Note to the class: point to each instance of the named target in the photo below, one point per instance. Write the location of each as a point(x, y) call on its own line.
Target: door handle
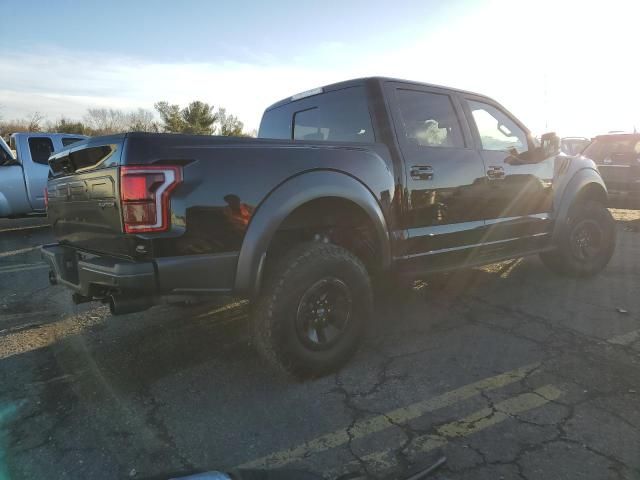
point(421, 172)
point(495, 172)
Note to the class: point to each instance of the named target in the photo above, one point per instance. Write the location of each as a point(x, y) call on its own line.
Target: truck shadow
point(137, 350)
point(133, 352)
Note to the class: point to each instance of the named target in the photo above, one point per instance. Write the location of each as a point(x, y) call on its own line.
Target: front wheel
point(311, 314)
point(585, 243)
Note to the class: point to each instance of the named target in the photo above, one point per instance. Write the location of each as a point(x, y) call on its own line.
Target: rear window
point(41, 149)
point(90, 157)
point(86, 158)
point(614, 150)
point(69, 140)
point(337, 116)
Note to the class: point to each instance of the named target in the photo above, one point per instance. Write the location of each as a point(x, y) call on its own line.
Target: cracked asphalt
point(507, 370)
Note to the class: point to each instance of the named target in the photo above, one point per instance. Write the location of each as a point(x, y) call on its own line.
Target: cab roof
point(362, 81)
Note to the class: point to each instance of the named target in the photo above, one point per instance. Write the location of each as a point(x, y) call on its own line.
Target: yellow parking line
point(488, 417)
point(474, 423)
point(625, 338)
point(381, 422)
point(512, 266)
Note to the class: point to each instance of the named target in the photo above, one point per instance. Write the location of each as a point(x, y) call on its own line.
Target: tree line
point(197, 118)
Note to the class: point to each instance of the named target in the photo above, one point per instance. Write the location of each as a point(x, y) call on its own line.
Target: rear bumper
point(98, 276)
point(91, 275)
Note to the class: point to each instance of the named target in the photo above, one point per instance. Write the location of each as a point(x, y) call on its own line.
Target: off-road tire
point(276, 313)
point(564, 259)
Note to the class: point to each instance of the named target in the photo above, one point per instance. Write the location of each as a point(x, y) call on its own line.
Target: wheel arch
point(586, 184)
point(284, 200)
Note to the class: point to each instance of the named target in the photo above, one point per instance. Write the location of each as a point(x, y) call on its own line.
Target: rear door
point(519, 193)
point(444, 178)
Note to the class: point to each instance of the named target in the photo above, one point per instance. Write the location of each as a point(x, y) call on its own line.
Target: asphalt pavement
point(508, 371)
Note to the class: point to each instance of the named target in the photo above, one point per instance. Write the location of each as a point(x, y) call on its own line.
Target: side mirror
point(550, 144)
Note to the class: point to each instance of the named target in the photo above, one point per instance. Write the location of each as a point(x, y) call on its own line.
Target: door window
point(41, 149)
point(498, 132)
point(429, 119)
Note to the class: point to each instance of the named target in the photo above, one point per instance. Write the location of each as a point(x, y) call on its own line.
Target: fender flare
point(284, 200)
point(582, 179)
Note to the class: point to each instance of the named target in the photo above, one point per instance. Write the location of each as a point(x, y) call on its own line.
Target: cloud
point(59, 83)
point(549, 73)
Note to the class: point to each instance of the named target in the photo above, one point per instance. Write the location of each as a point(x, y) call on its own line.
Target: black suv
point(617, 156)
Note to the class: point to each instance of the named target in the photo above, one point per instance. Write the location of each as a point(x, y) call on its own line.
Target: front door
point(36, 169)
point(444, 178)
point(519, 181)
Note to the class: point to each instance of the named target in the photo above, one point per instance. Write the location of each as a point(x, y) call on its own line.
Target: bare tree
point(103, 121)
point(12, 126)
point(142, 121)
point(34, 122)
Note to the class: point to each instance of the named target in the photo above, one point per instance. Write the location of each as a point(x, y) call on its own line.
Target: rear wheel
point(586, 241)
point(310, 317)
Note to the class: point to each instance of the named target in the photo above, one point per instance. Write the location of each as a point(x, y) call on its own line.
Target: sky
point(559, 65)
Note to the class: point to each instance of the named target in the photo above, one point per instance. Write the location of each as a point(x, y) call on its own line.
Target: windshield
point(608, 149)
point(574, 146)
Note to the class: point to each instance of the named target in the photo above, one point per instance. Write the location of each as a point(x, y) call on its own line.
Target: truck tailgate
point(82, 190)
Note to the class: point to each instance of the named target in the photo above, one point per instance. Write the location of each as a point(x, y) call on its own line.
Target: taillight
point(46, 198)
point(144, 193)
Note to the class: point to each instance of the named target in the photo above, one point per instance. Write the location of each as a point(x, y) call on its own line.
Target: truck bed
point(224, 180)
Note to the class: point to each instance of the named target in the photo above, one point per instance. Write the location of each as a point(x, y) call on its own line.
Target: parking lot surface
point(507, 370)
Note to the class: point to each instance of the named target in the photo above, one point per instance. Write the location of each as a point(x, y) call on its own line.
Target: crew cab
point(23, 177)
point(348, 185)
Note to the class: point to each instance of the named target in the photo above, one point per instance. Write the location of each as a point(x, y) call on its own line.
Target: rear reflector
point(144, 193)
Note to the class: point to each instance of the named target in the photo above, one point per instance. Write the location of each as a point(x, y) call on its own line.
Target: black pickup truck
point(362, 180)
